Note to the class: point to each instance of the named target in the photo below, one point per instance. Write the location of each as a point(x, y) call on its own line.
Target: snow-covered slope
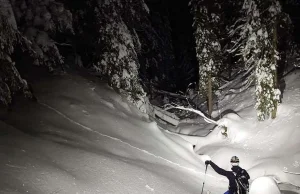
point(270, 148)
point(82, 137)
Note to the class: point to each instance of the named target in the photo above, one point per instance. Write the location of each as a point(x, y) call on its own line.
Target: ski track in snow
point(119, 140)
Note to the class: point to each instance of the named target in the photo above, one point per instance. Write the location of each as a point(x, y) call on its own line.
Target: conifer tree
point(119, 59)
point(11, 81)
point(255, 40)
point(207, 26)
point(267, 92)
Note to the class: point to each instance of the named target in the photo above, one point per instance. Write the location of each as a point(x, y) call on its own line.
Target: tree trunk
point(274, 112)
point(209, 95)
point(229, 67)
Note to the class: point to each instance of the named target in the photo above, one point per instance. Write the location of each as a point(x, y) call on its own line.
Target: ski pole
point(204, 179)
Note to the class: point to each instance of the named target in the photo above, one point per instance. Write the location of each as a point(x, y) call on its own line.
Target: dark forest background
point(140, 48)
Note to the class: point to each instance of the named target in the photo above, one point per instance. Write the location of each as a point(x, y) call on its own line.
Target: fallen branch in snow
point(285, 183)
point(164, 115)
point(208, 120)
point(288, 172)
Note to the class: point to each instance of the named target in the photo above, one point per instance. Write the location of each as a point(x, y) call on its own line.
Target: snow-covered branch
point(208, 120)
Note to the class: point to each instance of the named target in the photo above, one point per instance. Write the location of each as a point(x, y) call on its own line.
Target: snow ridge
point(119, 140)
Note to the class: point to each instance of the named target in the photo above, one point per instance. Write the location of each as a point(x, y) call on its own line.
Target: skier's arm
point(247, 175)
point(218, 169)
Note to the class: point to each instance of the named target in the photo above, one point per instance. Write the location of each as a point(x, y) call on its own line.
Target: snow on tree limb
point(206, 119)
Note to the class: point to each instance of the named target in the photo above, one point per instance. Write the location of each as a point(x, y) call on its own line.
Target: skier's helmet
point(235, 160)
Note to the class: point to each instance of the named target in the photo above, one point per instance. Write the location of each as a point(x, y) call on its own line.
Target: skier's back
point(236, 177)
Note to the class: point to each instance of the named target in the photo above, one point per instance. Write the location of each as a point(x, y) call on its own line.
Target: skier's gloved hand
point(207, 162)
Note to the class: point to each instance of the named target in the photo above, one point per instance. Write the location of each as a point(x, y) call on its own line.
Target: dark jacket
point(230, 175)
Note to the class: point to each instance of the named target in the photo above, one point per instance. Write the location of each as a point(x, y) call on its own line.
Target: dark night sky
point(183, 40)
point(181, 20)
point(293, 9)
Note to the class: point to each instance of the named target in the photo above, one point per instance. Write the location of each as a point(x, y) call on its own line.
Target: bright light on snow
point(265, 185)
point(82, 137)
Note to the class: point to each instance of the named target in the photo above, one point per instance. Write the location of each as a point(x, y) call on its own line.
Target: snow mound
point(235, 127)
point(264, 185)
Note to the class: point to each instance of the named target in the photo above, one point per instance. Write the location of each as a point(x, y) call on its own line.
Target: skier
point(238, 177)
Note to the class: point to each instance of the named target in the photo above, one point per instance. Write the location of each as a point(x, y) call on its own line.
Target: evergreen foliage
point(252, 44)
point(207, 20)
point(130, 46)
point(40, 22)
point(255, 39)
point(119, 59)
point(11, 82)
point(112, 37)
point(30, 27)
